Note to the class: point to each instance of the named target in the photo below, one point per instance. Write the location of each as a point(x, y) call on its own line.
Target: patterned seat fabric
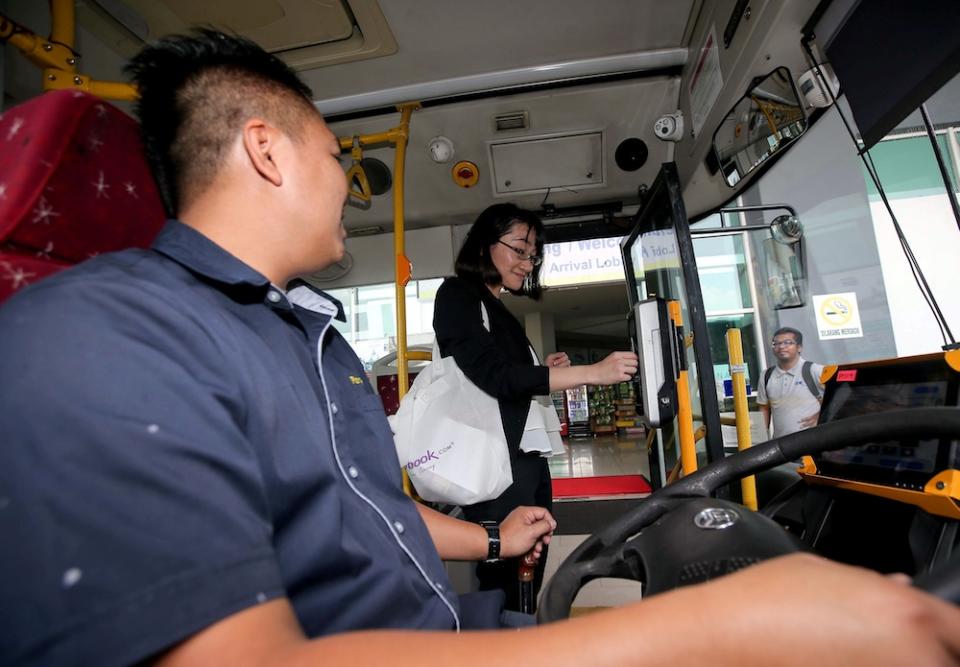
point(73, 183)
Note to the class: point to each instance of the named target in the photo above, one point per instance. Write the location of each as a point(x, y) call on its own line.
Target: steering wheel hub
point(716, 518)
point(703, 538)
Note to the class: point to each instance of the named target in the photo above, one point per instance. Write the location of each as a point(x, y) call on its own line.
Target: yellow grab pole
point(47, 54)
point(63, 22)
point(56, 57)
point(748, 485)
point(113, 90)
point(403, 266)
point(389, 137)
point(688, 445)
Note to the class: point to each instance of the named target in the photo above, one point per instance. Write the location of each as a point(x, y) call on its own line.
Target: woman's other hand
point(557, 360)
point(616, 367)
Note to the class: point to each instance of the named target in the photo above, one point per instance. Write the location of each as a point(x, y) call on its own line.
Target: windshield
point(864, 303)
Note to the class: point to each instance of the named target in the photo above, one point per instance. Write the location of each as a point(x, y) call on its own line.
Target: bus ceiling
point(670, 85)
point(536, 102)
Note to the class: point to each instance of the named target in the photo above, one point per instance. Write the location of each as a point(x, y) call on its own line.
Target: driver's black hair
point(196, 91)
point(474, 262)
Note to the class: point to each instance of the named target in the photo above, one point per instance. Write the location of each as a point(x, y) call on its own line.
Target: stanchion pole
point(688, 445)
point(403, 266)
point(741, 411)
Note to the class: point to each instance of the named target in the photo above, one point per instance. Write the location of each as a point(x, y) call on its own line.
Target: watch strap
point(493, 540)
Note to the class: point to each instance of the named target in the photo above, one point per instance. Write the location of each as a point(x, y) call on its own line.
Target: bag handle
point(486, 325)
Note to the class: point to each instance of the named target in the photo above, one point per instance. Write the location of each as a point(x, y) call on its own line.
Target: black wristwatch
point(493, 541)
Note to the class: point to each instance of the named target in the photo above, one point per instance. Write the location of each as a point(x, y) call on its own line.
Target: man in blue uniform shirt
point(191, 473)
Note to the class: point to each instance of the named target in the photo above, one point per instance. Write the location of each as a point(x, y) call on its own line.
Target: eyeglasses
point(782, 343)
point(535, 260)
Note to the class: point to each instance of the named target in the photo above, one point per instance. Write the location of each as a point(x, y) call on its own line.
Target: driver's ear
point(260, 140)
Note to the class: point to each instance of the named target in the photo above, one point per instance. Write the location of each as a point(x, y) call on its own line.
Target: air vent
point(536, 164)
point(515, 120)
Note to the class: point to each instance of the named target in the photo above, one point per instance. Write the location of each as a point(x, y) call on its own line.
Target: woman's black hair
point(474, 262)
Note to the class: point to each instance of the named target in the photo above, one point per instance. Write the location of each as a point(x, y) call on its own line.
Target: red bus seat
point(73, 183)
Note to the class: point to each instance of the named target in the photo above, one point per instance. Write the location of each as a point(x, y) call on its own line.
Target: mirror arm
point(721, 231)
point(760, 207)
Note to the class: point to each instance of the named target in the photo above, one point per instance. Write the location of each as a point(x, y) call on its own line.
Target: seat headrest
point(73, 180)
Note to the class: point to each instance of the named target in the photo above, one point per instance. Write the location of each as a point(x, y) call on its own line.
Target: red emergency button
point(465, 174)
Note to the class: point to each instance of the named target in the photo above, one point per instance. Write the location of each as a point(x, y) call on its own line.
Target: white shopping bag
point(449, 437)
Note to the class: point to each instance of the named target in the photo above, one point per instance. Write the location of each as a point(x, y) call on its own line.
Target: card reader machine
point(658, 343)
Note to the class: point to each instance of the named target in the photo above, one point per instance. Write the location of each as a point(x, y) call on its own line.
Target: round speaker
point(631, 154)
point(378, 175)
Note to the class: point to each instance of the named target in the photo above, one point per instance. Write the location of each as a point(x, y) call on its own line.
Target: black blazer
point(498, 361)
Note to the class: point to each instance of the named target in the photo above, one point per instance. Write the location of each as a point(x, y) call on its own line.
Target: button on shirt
point(182, 441)
point(789, 397)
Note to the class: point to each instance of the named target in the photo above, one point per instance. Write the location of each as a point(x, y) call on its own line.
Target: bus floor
point(601, 455)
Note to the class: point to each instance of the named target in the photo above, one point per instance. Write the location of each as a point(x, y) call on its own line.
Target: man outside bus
point(194, 473)
point(790, 392)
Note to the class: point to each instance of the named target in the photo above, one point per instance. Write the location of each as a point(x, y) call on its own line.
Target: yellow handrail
point(55, 56)
point(748, 485)
point(63, 21)
point(356, 172)
point(403, 268)
point(688, 445)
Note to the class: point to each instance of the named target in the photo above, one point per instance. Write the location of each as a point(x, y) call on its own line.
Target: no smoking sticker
point(838, 315)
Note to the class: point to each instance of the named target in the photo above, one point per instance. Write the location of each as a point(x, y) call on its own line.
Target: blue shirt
point(171, 455)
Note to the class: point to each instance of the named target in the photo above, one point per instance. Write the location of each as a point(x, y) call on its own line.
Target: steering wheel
point(680, 535)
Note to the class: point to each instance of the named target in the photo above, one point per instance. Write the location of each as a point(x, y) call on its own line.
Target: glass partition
point(659, 261)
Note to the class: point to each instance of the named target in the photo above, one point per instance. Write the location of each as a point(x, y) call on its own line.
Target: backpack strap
point(766, 381)
point(806, 371)
point(807, 374)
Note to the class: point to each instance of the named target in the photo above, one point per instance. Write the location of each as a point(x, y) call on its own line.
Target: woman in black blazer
point(503, 250)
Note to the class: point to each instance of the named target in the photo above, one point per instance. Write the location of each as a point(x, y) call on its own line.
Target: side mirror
point(783, 259)
point(786, 229)
point(764, 121)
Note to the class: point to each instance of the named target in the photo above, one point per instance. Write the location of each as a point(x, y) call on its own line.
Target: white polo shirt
point(789, 397)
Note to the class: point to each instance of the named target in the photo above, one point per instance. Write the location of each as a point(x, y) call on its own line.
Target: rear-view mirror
point(765, 120)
